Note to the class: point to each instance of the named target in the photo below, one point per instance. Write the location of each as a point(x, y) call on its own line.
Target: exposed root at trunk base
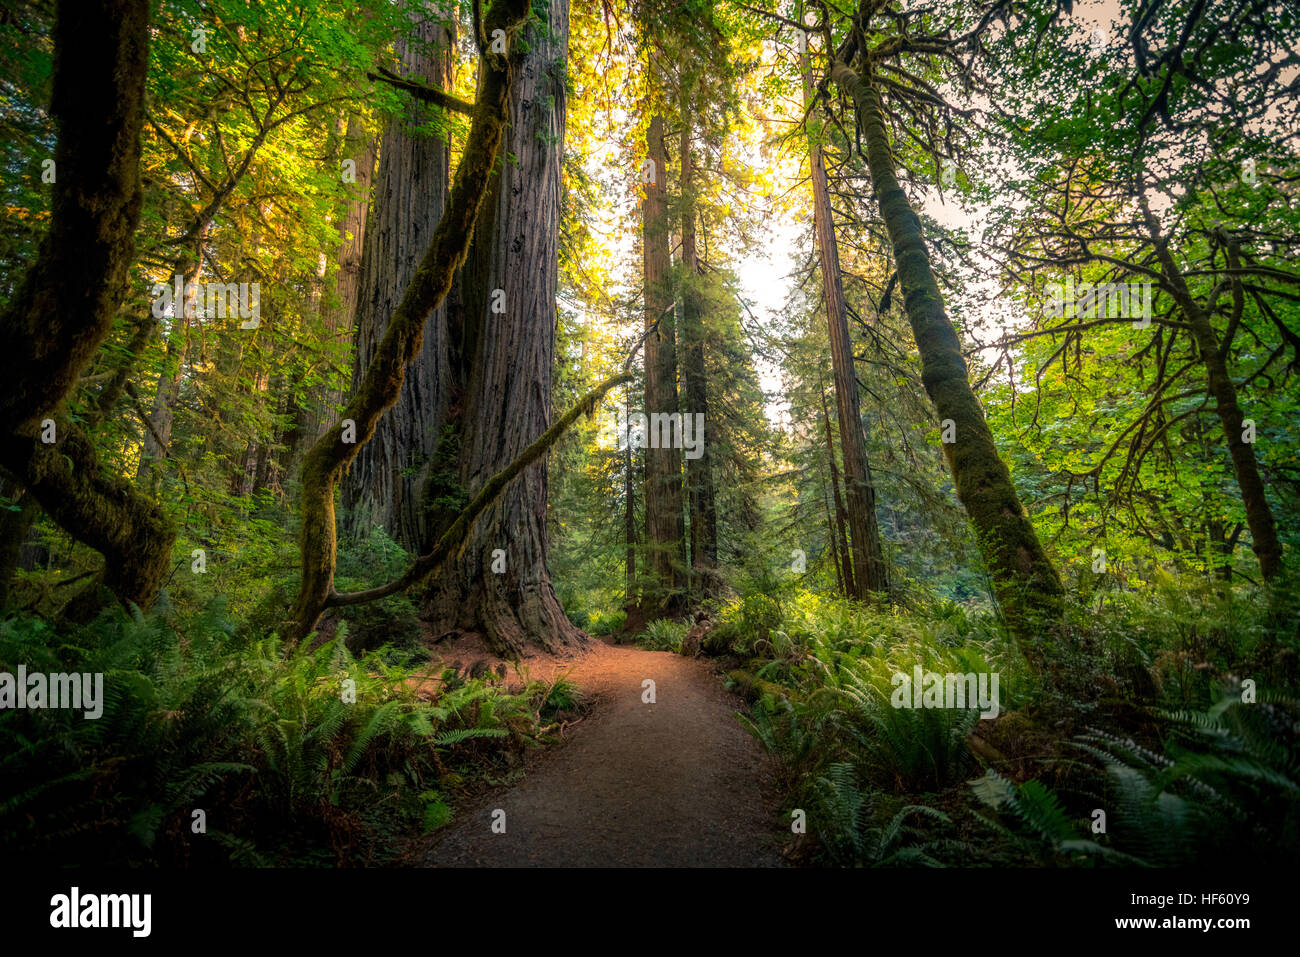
point(512, 624)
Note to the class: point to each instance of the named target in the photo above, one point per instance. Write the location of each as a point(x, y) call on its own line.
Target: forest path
point(677, 783)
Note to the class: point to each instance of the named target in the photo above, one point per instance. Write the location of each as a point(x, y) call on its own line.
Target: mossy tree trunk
point(65, 308)
point(499, 585)
point(381, 386)
point(1025, 582)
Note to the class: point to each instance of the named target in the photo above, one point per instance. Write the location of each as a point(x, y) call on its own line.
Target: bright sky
point(766, 277)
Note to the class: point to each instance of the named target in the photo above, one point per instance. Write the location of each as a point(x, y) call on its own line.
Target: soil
point(676, 783)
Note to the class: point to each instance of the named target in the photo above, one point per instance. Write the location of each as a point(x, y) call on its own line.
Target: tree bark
point(403, 339)
point(629, 514)
point(508, 291)
point(65, 308)
point(664, 584)
point(839, 541)
point(699, 471)
point(870, 573)
point(1024, 580)
point(383, 486)
point(337, 315)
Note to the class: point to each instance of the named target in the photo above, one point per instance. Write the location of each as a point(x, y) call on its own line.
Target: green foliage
point(606, 623)
point(315, 756)
point(755, 619)
point(1222, 786)
point(855, 828)
point(391, 622)
point(437, 813)
point(549, 700)
point(1040, 829)
point(1225, 789)
point(844, 749)
point(1112, 439)
point(663, 635)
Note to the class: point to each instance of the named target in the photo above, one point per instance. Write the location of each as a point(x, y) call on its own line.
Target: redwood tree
point(695, 401)
point(383, 487)
point(663, 584)
point(504, 330)
point(381, 386)
point(866, 554)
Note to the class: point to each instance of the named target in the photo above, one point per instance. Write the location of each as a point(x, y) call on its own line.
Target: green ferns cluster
point(304, 757)
point(1215, 782)
point(1225, 789)
point(820, 680)
point(663, 634)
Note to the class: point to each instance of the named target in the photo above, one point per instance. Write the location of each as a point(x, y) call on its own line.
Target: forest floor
point(676, 783)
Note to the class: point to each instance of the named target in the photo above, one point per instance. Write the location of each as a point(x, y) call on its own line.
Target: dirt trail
point(677, 783)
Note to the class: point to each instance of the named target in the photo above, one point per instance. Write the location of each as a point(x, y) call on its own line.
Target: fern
point(214, 718)
point(1042, 827)
point(449, 739)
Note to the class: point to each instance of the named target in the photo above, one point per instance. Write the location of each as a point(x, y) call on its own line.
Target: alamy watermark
point(75, 909)
point(662, 430)
point(929, 689)
point(1103, 300)
point(211, 300)
point(79, 691)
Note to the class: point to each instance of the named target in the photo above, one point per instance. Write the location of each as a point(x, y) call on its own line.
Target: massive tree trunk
point(699, 471)
point(382, 488)
point(1259, 516)
point(870, 573)
point(65, 308)
point(664, 583)
point(1024, 580)
point(381, 386)
point(507, 293)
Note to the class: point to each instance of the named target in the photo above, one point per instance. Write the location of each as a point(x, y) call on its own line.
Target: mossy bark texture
point(1025, 582)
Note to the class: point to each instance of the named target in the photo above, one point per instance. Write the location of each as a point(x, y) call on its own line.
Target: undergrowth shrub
point(392, 621)
point(309, 757)
point(663, 634)
point(1184, 770)
point(603, 623)
point(1223, 789)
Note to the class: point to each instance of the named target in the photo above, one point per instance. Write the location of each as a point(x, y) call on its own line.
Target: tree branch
point(421, 91)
